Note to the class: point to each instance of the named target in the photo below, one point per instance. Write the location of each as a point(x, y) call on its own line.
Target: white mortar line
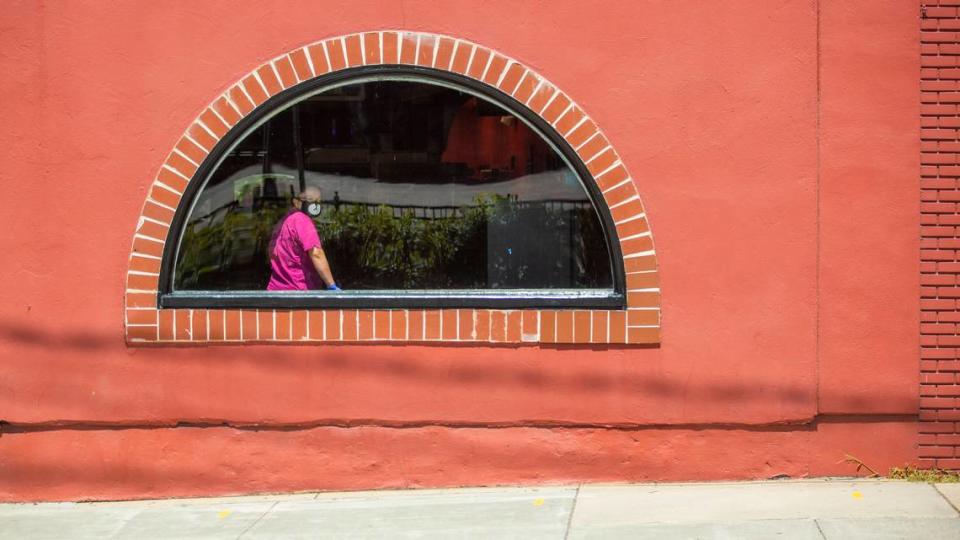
point(598, 154)
point(486, 67)
point(625, 201)
point(233, 104)
point(186, 157)
point(293, 68)
point(145, 256)
point(611, 188)
point(194, 141)
point(564, 113)
point(326, 55)
point(145, 237)
point(158, 183)
point(256, 75)
point(535, 90)
point(243, 88)
point(639, 254)
point(473, 52)
point(208, 130)
point(591, 325)
point(635, 236)
point(218, 115)
point(161, 205)
point(575, 126)
point(174, 171)
point(519, 82)
point(276, 73)
point(556, 93)
point(590, 138)
point(503, 73)
point(380, 42)
point(631, 218)
point(453, 54)
point(306, 53)
point(616, 164)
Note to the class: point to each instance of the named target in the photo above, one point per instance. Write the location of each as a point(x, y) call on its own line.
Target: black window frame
point(167, 297)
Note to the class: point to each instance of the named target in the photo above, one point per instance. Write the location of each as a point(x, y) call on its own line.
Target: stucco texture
point(777, 167)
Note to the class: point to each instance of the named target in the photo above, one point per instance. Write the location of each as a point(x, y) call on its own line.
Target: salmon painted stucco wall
point(775, 147)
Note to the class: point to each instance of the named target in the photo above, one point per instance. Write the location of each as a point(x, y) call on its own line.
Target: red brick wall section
point(940, 234)
point(638, 324)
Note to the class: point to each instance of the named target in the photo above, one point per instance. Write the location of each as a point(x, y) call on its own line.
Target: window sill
point(403, 299)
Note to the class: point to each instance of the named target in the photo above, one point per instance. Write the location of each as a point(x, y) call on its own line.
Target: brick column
point(940, 234)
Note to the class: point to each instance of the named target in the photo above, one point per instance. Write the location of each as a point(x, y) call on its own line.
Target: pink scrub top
point(291, 268)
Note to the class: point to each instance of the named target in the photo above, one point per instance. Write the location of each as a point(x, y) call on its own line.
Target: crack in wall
point(793, 424)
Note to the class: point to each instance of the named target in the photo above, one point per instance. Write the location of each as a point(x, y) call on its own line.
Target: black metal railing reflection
point(398, 210)
point(497, 242)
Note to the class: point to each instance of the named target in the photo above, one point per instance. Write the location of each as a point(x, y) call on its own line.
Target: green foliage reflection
point(495, 242)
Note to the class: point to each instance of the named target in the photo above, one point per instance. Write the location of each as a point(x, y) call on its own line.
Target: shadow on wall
point(509, 369)
point(18, 333)
point(135, 456)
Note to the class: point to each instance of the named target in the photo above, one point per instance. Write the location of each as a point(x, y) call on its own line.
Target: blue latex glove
point(333, 287)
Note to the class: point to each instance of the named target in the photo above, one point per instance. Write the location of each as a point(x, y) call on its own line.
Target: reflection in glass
point(424, 187)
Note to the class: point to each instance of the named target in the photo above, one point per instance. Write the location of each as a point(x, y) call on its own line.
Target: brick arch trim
point(145, 322)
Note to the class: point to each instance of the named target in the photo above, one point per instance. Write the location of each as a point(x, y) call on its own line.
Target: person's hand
point(333, 287)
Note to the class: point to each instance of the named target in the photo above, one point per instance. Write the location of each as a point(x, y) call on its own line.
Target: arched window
point(436, 192)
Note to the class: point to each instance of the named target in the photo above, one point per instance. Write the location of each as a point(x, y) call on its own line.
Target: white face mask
point(311, 208)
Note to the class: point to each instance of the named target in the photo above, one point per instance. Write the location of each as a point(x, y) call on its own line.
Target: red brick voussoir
point(639, 323)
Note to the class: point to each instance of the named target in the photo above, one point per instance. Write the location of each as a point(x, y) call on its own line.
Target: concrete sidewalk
point(812, 509)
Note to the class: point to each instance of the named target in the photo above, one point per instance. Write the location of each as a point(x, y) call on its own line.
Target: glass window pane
point(423, 187)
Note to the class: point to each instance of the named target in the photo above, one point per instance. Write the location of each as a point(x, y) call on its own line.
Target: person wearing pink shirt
point(297, 260)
